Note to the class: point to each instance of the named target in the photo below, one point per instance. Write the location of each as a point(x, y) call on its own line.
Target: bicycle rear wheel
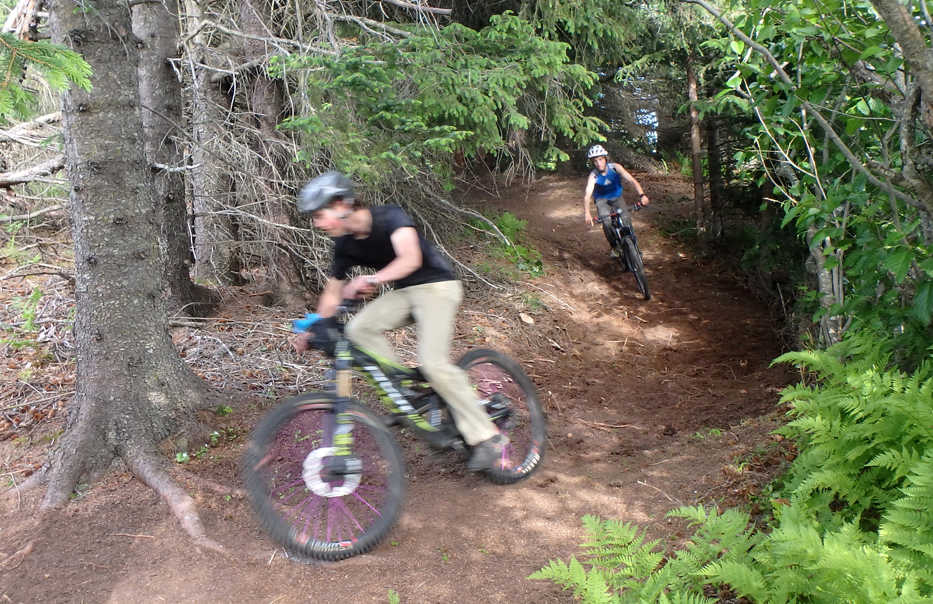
point(311, 510)
point(633, 255)
point(511, 402)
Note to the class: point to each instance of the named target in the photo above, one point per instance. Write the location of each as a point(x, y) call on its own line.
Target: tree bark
point(266, 104)
point(155, 24)
point(917, 55)
point(715, 179)
point(132, 389)
point(695, 148)
point(212, 189)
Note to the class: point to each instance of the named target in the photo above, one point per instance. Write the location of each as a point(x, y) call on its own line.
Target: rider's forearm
point(586, 206)
point(399, 268)
point(330, 298)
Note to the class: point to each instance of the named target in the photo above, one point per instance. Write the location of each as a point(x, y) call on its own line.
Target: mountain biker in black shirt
point(425, 292)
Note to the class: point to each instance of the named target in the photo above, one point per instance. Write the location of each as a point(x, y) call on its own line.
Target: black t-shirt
point(376, 251)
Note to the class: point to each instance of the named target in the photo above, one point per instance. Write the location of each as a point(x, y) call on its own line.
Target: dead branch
point(23, 133)
point(17, 22)
point(30, 215)
point(278, 43)
point(366, 24)
point(420, 7)
point(18, 177)
point(213, 485)
point(607, 427)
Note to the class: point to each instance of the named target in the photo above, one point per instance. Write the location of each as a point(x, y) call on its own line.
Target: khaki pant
point(433, 308)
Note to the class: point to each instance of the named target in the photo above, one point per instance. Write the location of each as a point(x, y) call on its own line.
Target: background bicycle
point(327, 477)
point(626, 246)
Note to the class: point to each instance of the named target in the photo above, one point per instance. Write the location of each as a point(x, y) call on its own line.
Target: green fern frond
point(684, 598)
point(908, 524)
point(745, 580)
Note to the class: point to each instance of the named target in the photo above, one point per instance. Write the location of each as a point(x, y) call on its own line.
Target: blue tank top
point(608, 186)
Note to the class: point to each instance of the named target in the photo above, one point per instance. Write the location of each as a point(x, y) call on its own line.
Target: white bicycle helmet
point(597, 151)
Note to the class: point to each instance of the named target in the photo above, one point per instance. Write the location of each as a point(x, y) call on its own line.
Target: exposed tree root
point(16, 558)
point(145, 466)
point(212, 485)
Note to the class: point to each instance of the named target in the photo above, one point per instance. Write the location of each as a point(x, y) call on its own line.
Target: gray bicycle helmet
point(323, 189)
point(596, 151)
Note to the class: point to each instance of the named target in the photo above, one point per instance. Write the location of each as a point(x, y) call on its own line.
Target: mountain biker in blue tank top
point(604, 186)
point(425, 292)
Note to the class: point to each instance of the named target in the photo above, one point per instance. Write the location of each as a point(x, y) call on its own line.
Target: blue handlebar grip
point(299, 325)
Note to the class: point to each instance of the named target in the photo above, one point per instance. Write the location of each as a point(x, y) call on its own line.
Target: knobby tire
point(311, 518)
point(633, 257)
point(511, 401)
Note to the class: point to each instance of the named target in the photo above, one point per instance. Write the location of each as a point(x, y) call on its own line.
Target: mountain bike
point(326, 476)
point(625, 243)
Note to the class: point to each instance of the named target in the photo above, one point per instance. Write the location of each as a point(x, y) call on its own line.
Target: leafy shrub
point(525, 258)
point(379, 109)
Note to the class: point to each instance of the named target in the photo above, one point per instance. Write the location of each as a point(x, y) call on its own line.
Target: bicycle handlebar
point(615, 212)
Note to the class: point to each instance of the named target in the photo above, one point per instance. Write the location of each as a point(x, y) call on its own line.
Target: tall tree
point(155, 25)
point(215, 228)
point(132, 388)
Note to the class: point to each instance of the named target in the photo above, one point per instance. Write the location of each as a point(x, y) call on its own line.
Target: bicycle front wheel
point(314, 510)
point(510, 400)
point(633, 255)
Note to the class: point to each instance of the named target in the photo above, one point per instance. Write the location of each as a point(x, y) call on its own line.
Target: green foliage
point(525, 258)
point(389, 108)
point(12, 249)
point(599, 32)
point(24, 334)
point(873, 241)
point(863, 430)
point(59, 66)
point(857, 521)
point(907, 526)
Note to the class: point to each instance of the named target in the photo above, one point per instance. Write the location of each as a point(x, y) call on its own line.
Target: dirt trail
point(648, 403)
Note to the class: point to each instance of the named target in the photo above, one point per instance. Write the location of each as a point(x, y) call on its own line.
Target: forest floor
point(651, 405)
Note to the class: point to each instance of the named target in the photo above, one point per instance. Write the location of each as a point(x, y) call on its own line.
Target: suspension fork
point(341, 430)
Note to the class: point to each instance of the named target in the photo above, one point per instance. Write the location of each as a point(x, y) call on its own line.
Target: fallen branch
point(21, 133)
point(669, 498)
point(607, 427)
point(30, 215)
point(420, 7)
point(18, 177)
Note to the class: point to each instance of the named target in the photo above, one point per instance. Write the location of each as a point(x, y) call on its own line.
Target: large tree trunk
point(695, 148)
point(132, 388)
point(155, 24)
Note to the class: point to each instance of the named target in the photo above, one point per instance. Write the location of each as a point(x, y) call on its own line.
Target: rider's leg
point(434, 306)
point(619, 204)
point(602, 210)
point(366, 330)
